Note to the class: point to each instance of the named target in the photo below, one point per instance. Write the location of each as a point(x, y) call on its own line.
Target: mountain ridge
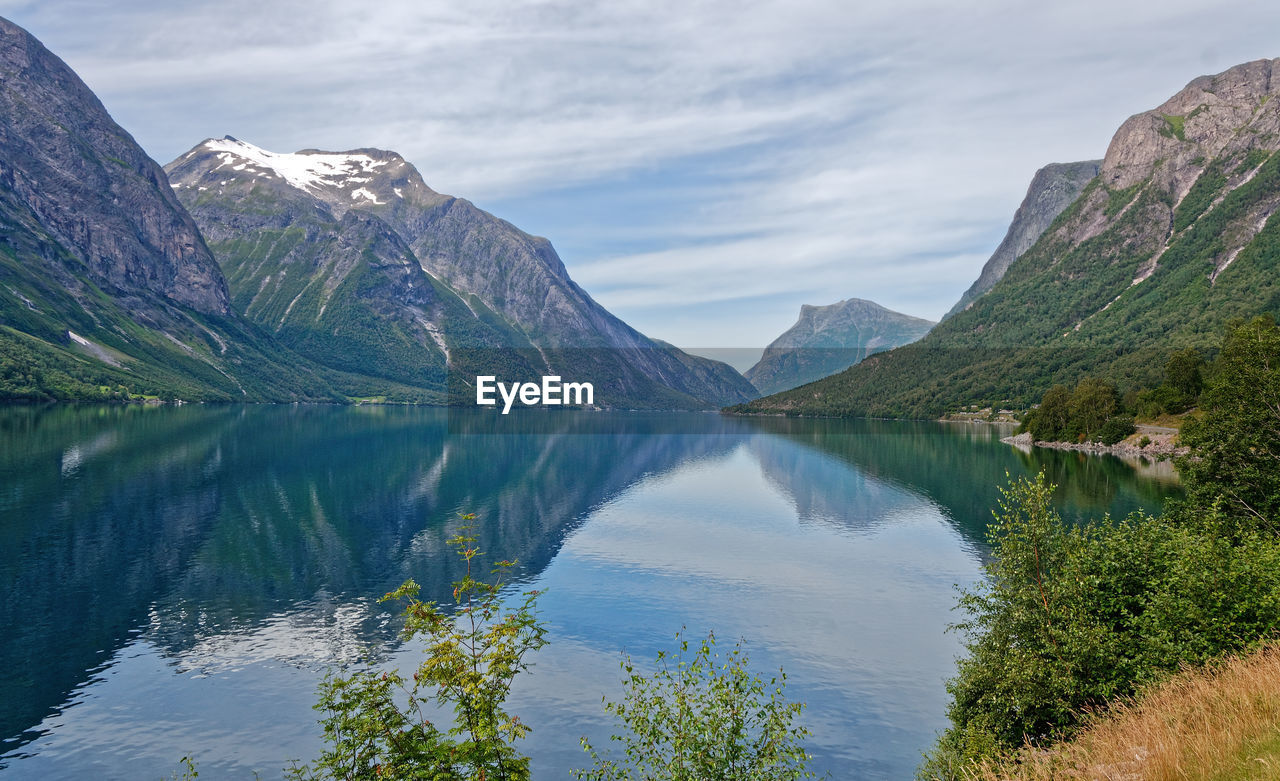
point(1175, 237)
point(1053, 188)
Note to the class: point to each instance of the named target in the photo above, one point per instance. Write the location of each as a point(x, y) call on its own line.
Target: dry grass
point(1220, 724)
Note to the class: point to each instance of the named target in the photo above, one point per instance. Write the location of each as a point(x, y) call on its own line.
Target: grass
point(1213, 724)
point(1167, 420)
point(1174, 127)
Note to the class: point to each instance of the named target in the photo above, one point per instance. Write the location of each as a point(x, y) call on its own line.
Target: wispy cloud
point(704, 167)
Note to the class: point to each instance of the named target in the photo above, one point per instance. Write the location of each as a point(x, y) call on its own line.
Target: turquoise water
point(177, 580)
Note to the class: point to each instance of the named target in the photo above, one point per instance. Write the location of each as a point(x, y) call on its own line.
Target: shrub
point(472, 656)
point(1114, 430)
point(702, 716)
point(1072, 617)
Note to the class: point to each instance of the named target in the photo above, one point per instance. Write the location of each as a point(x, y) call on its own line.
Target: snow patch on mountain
point(304, 170)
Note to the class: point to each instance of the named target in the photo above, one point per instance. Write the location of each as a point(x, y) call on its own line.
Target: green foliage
point(189, 772)
point(472, 655)
point(1072, 617)
point(1153, 402)
point(1174, 127)
point(1118, 199)
point(1080, 415)
point(1184, 373)
point(1255, 158)
point(1092, 403)
point(1114, 430)
point(702, 716)
point(1236, 443)
point(1049, 422)
point(1206, 187)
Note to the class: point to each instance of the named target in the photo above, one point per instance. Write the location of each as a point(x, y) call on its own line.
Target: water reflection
point(211, 552)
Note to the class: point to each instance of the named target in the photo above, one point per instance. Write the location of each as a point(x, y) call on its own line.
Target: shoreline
point(1160, 447)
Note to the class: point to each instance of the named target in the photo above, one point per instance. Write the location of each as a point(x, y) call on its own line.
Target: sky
point(702, 167)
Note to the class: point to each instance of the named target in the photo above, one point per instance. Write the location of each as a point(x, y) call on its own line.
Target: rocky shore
point(1160, 445)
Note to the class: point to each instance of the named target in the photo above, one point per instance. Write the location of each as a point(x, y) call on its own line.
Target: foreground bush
point(1073, 617)
point(702, 716)
point(376, 724)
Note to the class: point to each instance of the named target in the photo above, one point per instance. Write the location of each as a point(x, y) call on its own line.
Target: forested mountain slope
point(1173, 239)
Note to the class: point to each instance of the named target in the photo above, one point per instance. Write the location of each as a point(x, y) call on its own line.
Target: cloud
point(678, 153)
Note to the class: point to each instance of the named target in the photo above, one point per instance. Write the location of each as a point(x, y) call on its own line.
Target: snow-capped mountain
point(276, 222)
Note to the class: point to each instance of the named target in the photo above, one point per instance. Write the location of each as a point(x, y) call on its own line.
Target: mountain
point(107, 289)
point(1052, 190)
point(829, 339)
point(436, 278)
point(1175, 237)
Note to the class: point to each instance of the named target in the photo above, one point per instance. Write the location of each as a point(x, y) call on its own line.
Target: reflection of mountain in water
point(99, 509)
point(960, 467)
point(231, 534)
point(201, 526)
point(826, 489)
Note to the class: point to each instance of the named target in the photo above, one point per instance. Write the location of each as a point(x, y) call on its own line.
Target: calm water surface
point(176, 581)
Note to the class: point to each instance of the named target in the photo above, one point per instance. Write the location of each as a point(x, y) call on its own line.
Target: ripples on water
point(177, 580)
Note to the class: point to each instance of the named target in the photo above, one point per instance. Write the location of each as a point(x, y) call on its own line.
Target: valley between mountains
point(241, 274)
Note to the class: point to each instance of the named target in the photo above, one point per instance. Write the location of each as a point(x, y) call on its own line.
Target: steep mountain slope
point(1175, 237)
point(1052, 190)
point(342, 289)
point(829, 339)
point(467, 283)
point(106, 287)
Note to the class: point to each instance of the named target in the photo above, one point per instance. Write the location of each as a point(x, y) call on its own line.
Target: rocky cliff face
point(830, 339)
point(265, 214)
point(82, 178)
point(1052, 190)
point(1175, 236)
point(106, 287)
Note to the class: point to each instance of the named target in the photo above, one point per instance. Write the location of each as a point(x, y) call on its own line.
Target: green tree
point(1236, 444)
point(701, 716)
point(1114, 430)
point(1092, 403)
point(1049, 422)
point(376, 725)
point(1184, 373)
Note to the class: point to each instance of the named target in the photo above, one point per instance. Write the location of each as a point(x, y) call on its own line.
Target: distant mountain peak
point(1173, 238)
point(829, 339)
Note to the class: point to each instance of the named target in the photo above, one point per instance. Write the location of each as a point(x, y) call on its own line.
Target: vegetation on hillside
point(1096, 412)
point(1074, 617)
point(1070, 307)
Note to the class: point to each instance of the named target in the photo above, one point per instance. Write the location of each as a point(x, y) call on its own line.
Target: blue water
point(177, 580)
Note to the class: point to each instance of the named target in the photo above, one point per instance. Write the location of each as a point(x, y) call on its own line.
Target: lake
point(176, 580)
